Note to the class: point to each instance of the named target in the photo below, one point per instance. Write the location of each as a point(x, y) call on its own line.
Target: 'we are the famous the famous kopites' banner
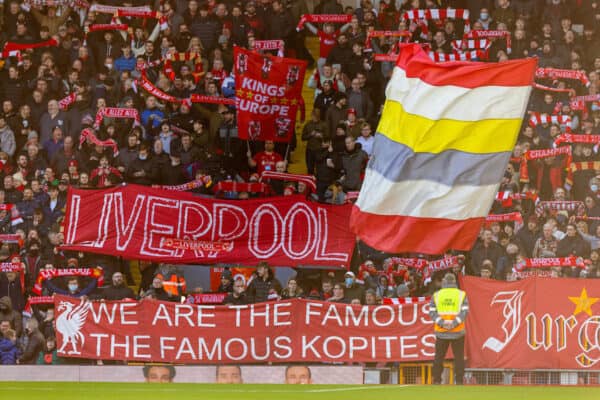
point(268, 94)
point(287, 331)
point(138, 222)
point(536, 323)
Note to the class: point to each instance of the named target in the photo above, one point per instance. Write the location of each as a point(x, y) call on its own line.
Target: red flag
point(269, 92)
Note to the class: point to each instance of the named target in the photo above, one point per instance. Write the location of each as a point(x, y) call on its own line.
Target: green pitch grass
point(141, 391)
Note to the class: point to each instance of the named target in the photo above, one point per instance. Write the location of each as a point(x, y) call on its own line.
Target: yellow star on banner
point(294, 102)
point(583, 303)
point(283, 100)
point(249, 95)
point(239, 93)
point(273, 100)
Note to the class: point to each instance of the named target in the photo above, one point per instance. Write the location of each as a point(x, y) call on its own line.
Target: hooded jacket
point(8, 314)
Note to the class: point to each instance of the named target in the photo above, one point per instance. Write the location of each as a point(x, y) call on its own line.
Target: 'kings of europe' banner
point(268, 94)
point(139, 222)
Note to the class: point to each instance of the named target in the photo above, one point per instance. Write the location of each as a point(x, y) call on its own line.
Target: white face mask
point(594, 188)
point(73, 287)
point(109, 66)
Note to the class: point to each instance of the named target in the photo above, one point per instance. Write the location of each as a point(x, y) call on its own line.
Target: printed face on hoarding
point(159, 374)
point(298, 375)
point(229, 374)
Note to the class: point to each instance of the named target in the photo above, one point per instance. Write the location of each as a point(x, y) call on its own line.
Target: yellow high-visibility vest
point(448, 302)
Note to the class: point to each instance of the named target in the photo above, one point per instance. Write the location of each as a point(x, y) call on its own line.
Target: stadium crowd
point(51, 138)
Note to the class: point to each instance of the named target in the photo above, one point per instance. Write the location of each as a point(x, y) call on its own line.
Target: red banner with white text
point(268, 94)
point(138, 222)
point(287, 331)
point(536, 323)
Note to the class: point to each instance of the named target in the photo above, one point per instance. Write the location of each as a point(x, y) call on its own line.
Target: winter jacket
point(35, 345)
point(7, 141)
point(8, 352)
point(259, 289)
point(353, 163)
point(8, 314)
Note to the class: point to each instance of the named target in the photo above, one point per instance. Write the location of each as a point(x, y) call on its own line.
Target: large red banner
point(536, 323)
point(268, 93)
point(139, 222)
point(287, 331)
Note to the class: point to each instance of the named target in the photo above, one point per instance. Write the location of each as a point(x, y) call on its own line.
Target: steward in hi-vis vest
point(448, 310)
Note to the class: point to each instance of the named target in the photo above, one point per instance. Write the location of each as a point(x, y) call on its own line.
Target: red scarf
point(322, 18)
point(89, 134)
point(570, 138)
point(308, 180)
point(278, 45)
point(384, 34)
point(552, 89)
point(194, 98)
point(204, 181)
point(182, 57)
point(555, 73)
point(539, 154)
point(10, 267)
point(104, 9)
point(12, 46)
point(252, 187)
point(462, 45)
point(459, 56)
point(560, 206)
point(513, 216)
point(549, 262)
point(116, 112)
point(438, 14)
point(44, 274)
point(585, 166)
point(64, 103)
point(404, 300)
point(536, 118)
point(491, 34)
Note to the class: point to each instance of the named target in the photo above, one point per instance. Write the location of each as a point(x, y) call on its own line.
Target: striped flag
point(442, 145)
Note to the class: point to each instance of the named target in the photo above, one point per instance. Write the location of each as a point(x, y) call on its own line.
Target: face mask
point(348, 281)
point(594, 188)
point(109, 66)
point(483, 16)
point(143, 157)
point(73, 288)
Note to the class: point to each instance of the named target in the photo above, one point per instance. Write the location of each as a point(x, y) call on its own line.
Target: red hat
point(351, 111)
point(73, 163)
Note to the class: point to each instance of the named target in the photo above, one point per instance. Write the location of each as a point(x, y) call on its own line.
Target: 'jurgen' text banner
point(138, 222)
point(268, 90)
point(288, 331)
point(536, 323)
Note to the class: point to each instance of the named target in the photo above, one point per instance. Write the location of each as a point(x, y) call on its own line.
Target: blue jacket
point(8, 352)
point(125, 64)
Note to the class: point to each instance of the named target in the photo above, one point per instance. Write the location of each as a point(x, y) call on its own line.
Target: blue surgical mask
point(594, 188)
point(143, 157)
point(349, 281)
point(73, 287)
point(484, 16)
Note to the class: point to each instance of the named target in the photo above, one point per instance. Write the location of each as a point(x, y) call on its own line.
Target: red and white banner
point(268, 93)
point(139, 222)
point(11, 47)
point(459, 56)
point(546, 153)
point(536, 323)
point(288, 331)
